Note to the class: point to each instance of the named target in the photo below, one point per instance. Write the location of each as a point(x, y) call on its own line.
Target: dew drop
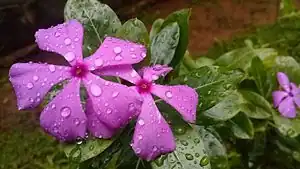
point(57, 34)
point(133, 56)
point(154, 77)
point(118, 58)
point(95, 90)
point(154, 148)
point(91, 147)
point(169, 94)
point(204, 161)
point(183, 142)
point(70, 56)
point(67, 41)
point(143, 54)
point(140, 137)
point(115, 94)
point(197, 155)
point(53, 106)
point(189, 156)
point(35, 78)
point(141, 122)
point(117, 50)
point(138, 150)
point(76, 39)
point(98, 62)
point(76, 121)
point(52, 68)
point(108, 111)
point(65, 112)
point(29, 85)
point(133, 73)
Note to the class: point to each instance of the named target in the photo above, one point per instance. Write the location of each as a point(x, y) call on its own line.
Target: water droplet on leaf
point(204, 161)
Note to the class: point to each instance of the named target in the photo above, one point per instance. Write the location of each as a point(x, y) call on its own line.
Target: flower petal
point(64, 39)
point(32, 81)
point(63, 117)
point(284, 81)
point(125, 72)
point(183, 98)
point(287, 108)
point(152, 135)
point(114, 103)
point(297, 100)
point(95, 126)
point(114, 52)
point(294, 89)
point(153, 73)
point(278, 96)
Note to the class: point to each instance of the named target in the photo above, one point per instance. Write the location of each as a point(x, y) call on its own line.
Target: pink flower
point(288, 99)
point(153, 136)
point(109, 105)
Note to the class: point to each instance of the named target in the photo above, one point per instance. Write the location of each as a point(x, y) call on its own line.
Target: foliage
point(237, 126)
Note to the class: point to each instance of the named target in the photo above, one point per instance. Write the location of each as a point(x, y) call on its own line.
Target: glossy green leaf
point(288, 65)
point(212, 84)
point(192, 63)
point(263, 79)
point(214, 147)
point(156, 27)
point(134, 30)
point(227, 108)
point(242, 126)
point(182, 19)
point(98, 20)
point(164, 45)
point(256, 106)
point(190, 153)
point(86, 150)
point(242, 57)
point(287, 127)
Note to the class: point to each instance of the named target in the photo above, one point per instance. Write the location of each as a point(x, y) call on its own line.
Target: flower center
point(144, 86)
point(79, 70)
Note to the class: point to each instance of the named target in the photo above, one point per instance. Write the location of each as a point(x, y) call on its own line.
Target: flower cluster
point(109, 105)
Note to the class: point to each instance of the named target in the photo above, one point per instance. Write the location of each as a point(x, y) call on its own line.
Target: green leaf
point(227, 108)
point(191, 63)
point(288, 65)
point(287, 127)
point(242, 126)
point(134, 30)
point(156, 27)
point(190, 153)
point(287, 7)
point(164, 44)
point(212, 84)
point(182, 19)
point(241, 58)
point(214, 147)
point(263, 79)
point(256, 106)
point(86, 150)
point(98, 21)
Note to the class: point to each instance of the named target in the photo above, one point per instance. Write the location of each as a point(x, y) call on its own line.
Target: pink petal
point(64, 39)
point(152, 135)
point(114, 52)
point(297, 100)
point(95, 126)
point(294, 89)
point(125, 72)
point(278, 96)
point(114, 103)
point(63, 117)
point(183, 98)
point(284, 81)
point(287, 108)
point(154, 72)
point(32, 81)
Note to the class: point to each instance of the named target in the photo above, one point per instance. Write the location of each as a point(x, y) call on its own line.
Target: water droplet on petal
point(76, 121)
point(154, 77)
point(115, 94)
point(31, 100)
point(70, 56)
point(143, 54)
point(76, 39)
point(56, 34)
point(154, 148)
point(67, 41)
point(140, 137)
point(141, 122)
point(118, 58)
point(29, 85)
point(131, 49)
point(138, 150)
point(65, 112)
point(133, 56)
point(95, 90)
point(35, 78)
point(108, 111)
point(133, 73)
point(98, 62)
point(169, 94)
point(117, 50)
point(52, 68)
point(53, 106)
